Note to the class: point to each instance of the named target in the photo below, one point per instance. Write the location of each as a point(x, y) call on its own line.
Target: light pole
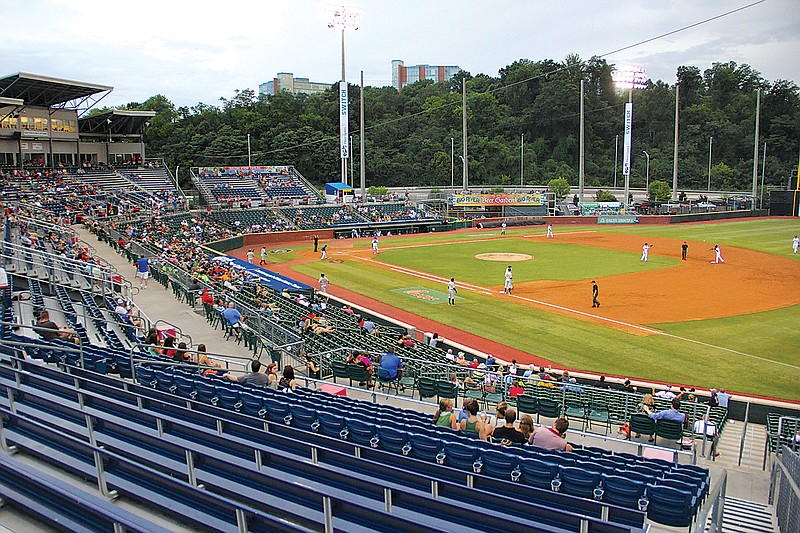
point(248, 151)
point(521, 160)
point(710, 144)
point(352, 181)
point(616, 156)
point(452, 165)
point(647, 182)
point(344, 17)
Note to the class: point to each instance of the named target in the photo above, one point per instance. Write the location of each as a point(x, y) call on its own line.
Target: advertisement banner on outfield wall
point(471, 200)
point(617, 219)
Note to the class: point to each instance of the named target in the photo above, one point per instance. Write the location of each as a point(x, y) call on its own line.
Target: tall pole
point(248, 151)
point(763, 170)
point(755, 147)
point(453, 164)
point(581, 155)
point(521, 160)
point(345, 148)
point(352, 180)
point(647, 179)
point(710, 144)
point(626, 146)
point(675, 153)
point(464, 131)
point(361, 168)
point(616, 155)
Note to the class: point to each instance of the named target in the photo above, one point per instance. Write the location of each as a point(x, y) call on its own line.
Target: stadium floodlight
point(344, 17)
point(628, 77)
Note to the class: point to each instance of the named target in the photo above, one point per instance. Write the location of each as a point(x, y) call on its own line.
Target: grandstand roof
point(44, 91)
point(116, 122)
point(11, 101)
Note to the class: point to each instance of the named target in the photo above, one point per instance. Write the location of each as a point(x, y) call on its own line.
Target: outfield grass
point(552, 261)
point(701, 353)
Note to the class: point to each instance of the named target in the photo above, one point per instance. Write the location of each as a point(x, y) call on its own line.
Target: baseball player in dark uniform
point(595, 292)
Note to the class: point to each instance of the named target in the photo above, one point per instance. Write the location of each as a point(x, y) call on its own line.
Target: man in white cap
point(665, 394)
point(120, 309)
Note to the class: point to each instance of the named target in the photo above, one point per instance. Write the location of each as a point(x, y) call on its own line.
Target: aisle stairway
point(742, 516)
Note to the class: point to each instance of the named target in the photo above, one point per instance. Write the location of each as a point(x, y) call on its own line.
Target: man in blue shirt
point(673, 413)
point(391, 365)
point(143, 271)
point(232, 317)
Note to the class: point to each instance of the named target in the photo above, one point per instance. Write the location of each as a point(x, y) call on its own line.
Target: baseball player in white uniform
point(323, 283)
point(645, 251)
point(717, 255)
point(509, 283)
point(374, 245)
point(550, 232)
point(451, 292)
point(795, 243)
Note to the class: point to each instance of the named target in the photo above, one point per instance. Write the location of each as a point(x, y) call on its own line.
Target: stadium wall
point(264, 239)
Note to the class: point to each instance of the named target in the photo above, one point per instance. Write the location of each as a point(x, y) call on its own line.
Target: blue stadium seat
point(579, 482)
point(670, 506)
point(538, 473)
point(623, 491)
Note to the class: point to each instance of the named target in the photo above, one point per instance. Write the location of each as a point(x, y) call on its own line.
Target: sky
point(193, 52)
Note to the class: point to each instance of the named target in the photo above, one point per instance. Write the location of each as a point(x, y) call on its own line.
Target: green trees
point(408, 133)
point(559, 187)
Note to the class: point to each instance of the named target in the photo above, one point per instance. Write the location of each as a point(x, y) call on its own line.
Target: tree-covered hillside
point(408, 134)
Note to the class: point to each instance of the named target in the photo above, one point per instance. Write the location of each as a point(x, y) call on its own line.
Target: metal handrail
point(34, 344)
point(714, 504)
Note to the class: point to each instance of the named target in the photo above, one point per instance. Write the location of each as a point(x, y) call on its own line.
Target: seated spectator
point(50, 331)
point(526, 426)
point(207, 298)
point(455, 381)
point(673, 413)
point(646, 407)
point(472, 425)
point(391, 365)
point(152, 342)
point(180, 354)
point(508, 434)
point(272, 375)
point(499, 417)
point(253, 378)
point(445, 416)
point(121, 309)
point(204, 361)
point(369, 327)
point(233, 319)
point(169, 346)
point(665, 394)
point(405, 340)
point(552, 438)
point(707, 427)
point(287, 382)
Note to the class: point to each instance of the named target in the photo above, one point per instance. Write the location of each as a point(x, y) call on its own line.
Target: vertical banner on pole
point(344, 121)
point(626, 149)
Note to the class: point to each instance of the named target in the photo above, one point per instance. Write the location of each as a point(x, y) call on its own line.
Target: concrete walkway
point(159, 304)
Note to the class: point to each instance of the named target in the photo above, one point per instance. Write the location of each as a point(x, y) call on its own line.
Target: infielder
point(509, 283)
point(451, 292)
point(550, 232)
point(374, 245)
point(717, 255)
point(645, 251)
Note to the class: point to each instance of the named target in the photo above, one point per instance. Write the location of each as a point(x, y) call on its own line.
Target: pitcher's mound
point(504, 257)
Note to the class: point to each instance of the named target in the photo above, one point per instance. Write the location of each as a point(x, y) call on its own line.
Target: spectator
point(369, 326)
point(391, 365)
point(153, 345)
point(508, 434)
point(312, 368)
point(180, 354)
point(120, 309)
point(287, 381)
point(713, 401)
point(707, 427)
point(232, 317)
point(666, 394)
point(472, 425)
point(445, 416)
point(272, 375)
point(552, 438)
point(723, 398)
point(203, 360)
point(169, 346)
point(50, 331)
point(253, 378)
point(673, 413)
point(526, 426)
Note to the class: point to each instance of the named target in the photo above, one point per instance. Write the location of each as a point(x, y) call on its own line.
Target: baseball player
point(451, 292)
point(323, 283)
point(645, 251)
point(795, 243)
point(595, 292)
point(375, 245)
point(717, 255)
point(509, 283)
point(550, 232)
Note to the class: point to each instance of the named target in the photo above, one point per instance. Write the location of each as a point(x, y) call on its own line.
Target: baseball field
point(734, 325)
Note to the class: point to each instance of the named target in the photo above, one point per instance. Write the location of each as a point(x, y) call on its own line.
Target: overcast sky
point(200, 51)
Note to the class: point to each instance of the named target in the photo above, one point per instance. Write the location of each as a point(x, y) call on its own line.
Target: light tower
point(344, 17)
point(628, 77)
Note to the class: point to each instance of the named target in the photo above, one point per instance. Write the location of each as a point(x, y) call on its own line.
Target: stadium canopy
point(116, 122)
point(44, 91)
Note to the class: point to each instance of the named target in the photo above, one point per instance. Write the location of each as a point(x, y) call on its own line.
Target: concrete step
point(743, 516)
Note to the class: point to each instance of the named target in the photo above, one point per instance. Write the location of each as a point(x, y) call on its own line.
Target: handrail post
point(744, 433)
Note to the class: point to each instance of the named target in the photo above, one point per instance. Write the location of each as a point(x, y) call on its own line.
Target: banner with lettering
point(471, 200)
